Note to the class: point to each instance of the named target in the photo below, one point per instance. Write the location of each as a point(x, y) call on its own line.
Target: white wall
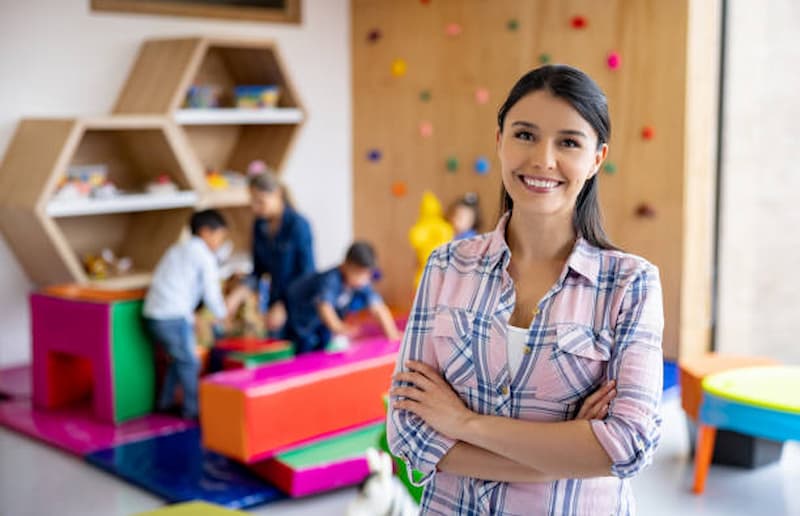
point(59, 59)
point(760, 212)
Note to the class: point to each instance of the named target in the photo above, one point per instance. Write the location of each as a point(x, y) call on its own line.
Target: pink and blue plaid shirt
point(602, 320)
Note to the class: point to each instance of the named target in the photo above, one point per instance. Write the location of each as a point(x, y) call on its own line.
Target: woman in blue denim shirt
point(283, 247)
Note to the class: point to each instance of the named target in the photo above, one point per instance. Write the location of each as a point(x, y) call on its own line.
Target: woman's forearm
point(565, 449)
point(467, 460)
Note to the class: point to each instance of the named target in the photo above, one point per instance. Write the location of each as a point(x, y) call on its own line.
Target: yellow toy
point(430, 231)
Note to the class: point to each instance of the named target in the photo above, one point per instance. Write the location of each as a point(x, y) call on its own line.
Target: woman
point(282, 244)
point(511, 330)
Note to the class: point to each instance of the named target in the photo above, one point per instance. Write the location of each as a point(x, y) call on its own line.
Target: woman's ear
point(599, 158)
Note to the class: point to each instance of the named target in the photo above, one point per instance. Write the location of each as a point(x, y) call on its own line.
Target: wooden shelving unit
point(51, 236)
point(149, 134)
point(226, 137)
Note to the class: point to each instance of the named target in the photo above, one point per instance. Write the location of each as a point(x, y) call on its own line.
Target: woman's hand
point(596, 405)
point(430, 397)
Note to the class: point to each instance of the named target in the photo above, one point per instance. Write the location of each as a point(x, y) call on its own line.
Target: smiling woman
point(529, 377)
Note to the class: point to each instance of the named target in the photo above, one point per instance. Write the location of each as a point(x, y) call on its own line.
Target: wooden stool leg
point(706, 435)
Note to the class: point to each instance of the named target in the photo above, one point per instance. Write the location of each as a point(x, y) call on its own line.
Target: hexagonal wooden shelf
point(51, 236)
point(223, 138)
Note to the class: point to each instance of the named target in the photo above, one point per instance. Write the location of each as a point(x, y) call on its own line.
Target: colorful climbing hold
point(425, 95)
point(481, 95)
point(452, 29)
point(425, 129)
point(614, 60)
point(374, 155)
point(512, 24)
point(373, 36)
point(579, 22)
point(545, 59)
point(399, 67)
point(452, 164)
point(648, 133)
point(609, 167)
point(482, 165)
point(399, 189)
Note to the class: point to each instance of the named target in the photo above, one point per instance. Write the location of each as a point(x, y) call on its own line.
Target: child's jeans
point(177, 338)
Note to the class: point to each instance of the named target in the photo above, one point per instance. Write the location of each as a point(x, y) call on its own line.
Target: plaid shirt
point(603, 319)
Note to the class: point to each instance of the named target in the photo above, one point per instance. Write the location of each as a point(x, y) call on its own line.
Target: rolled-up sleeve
point(631, 432)
point(409, 437)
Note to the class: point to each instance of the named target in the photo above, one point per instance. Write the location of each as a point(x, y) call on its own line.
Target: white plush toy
point(381, 493)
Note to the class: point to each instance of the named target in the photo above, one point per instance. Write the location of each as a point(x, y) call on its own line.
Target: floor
point(74, 488)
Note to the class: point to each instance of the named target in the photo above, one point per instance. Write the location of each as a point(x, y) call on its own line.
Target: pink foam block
point(15, 382)
point(76, 431)
point(79, 329)
point(278, 374)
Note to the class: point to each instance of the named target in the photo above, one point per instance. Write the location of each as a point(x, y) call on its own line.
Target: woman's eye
point(570, 143)
point(524, 135)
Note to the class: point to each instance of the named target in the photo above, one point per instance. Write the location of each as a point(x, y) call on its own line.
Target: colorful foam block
point(16, 382)
point(89, 347)
point(76, 431)
point(251, 344)
point(324, 465)
point(191, 509)
point(251, 414)
point(177, 469)
point(239, 359)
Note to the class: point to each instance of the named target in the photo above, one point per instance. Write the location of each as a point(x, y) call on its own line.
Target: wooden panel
point(35, 150)
point(213, 145)
point(150, 234)
point(160, 76)
point(270, 143)
point(650, 88)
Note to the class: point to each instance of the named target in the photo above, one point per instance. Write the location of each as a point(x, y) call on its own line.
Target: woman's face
point(547, 152)
point(266, 204)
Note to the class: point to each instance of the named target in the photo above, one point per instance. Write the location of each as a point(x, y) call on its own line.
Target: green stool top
point(775, 387)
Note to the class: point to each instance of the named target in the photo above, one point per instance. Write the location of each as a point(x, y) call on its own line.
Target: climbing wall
point(429, 76)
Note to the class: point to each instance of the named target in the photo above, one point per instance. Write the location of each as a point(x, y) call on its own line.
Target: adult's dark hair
point(211, 219)
point(268, 182)
point(586, 97)
point(361, 254)
point(470, 200)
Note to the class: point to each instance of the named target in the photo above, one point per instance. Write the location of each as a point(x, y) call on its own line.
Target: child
point(465, 216)
point(187, 274)
point(318, 303)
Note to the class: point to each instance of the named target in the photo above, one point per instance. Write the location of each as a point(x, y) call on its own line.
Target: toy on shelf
point(106, 264)
point(256, 167)
point(203, 96)
point(381, 492)
point(216, 181)
point(85, 181)
point(256, 96)
point(163, 184)
point(429, 232)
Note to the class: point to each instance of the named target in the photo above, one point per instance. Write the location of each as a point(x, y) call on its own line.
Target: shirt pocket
point(453, 339)
point(577, 363)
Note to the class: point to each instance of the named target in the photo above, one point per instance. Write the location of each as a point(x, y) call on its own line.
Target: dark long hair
point(586, 97)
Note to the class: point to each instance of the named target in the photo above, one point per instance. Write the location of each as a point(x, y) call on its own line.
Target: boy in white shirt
point(187, 274)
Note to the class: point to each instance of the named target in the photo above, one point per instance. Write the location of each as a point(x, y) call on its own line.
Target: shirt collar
point(584, 258)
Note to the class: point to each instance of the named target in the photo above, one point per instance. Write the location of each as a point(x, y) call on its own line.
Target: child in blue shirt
point(187, 274)
point(318, 303)
point(465, 216)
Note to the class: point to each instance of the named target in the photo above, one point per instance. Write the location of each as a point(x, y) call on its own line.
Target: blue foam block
point(176, 468)
point(670, 374)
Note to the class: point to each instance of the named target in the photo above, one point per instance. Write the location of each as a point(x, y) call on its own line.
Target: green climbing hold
point(513, 24)
point(425, 96)
point(545, 58)
point(452, 164)
point(609, 168)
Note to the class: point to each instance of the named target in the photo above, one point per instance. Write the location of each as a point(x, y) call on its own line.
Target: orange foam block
point(251, 414)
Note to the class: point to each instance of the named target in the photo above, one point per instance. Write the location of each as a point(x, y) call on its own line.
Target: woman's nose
point(543, 155)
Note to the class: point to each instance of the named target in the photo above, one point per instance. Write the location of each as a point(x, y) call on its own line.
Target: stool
point(759, 401)
point(732, 448)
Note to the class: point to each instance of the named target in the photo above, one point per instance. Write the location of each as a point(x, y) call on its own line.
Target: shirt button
point(504, 390)
point(536, 311)
point(527, 350)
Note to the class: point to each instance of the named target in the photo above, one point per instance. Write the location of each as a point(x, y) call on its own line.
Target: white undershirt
point(516, 341)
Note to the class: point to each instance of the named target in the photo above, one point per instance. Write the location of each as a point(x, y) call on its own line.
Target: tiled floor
point(36, 480)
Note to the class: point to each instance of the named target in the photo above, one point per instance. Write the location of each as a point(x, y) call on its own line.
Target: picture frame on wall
point(280, 11)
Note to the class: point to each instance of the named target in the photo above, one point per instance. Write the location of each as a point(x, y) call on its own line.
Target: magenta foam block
point(76, 431)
